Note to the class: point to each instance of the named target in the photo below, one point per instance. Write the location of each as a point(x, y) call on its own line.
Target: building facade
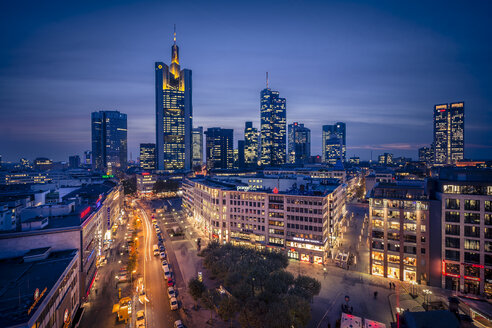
point(299, 143)
point(145, 183)
point(333, 143)
point(109, 141)
point(449, 133)
point(399, 231)
point(250, 145)
point(249, 212)
point(147, 156)
point(385, 159)
point(426, 154)
point(273, 120)
point(174, 112)
point(219, 148)
point(198, 146)
point(466, 228)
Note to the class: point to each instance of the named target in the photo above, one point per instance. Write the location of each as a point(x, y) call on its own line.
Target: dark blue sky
point(378, 67)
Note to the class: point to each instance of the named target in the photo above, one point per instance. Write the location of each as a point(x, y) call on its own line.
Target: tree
point(306, 287)
point(210, 298)
point(130, 186)
point(227, 309)
point(196, 289)
point(299, 310)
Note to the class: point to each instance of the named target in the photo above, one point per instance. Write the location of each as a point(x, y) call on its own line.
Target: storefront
point(377, 268)
point(393, 272)
point(472, 285)
point(305, 258)
point(293, 254)
point(409, 274)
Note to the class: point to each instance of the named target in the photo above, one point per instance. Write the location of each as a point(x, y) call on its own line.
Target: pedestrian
point(375, 294)
point(394, 286)
point(390, 285)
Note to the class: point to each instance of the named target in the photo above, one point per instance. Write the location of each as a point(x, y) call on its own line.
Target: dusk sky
point(378, 67)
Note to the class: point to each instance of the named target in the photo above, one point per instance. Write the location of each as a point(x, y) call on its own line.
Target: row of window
point(304, 219)
point(469, 204)
point(304, 227)
point(396, 247)
point(469, 231)
point(469, 217)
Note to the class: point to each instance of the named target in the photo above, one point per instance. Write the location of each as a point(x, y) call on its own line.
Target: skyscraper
point(219, 148)
point(273, 117)
point(74, 161)
point(299, 143)
point(426, 154)
point(240, 154)
point(109, 141)
point(250, 145)
point(449, 133)
point(333, 143)
point(147, 156)
point(197, 146)
point(87, 157)
point(174, 111)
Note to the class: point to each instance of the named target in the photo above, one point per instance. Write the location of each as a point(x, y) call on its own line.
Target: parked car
point(140, 319)
point(170, 282)
point(173, 303)
point(163, 255)
point(171, 292)
point(178, 324)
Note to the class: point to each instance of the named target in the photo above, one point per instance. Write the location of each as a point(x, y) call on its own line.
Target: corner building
point(252, 211)
point(174, 111)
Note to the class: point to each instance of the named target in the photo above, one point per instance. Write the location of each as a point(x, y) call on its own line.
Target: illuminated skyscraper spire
point(267, 80)
point(174, 69)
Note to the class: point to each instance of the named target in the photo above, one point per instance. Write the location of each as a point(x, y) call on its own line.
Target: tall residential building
point(147, 156)
point(219, 148)
point(273, 139)
point(426, 154)
point(109, 141)
point(299, 143)
point(174, 111)
point(333, 143)
point(250, 145)
point(449, 133)
point(197, 146)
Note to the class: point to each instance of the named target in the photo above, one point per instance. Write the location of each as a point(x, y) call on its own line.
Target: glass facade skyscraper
point(299, 143)
point(273, 120)
point(333, 143)
point(198, 146)
point(147, 156)
point(174, 111)
point(109, 141)
point(250, 145)
point(219, 148)
point(449, 133)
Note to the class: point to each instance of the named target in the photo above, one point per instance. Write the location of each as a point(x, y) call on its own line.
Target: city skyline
point(385, 111)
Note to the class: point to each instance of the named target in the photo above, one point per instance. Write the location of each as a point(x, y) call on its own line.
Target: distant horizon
point(379, 68)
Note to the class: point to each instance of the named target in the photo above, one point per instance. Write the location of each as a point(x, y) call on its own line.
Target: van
point(156, 250)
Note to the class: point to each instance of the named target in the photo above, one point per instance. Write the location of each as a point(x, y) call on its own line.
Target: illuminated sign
point(85, 212)
point(108, 176)
point(145, 173)
point(458, 105)
point(109, 217)
point(306, 240)
point(275, 190)
point(36, 300)
point(472, 278)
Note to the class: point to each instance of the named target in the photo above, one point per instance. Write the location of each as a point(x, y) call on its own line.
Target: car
point(162, 248)
point(170, 282)
point(140, 319)
point(167, 274)
point(164, 262)
point(173, 303)
point(171, 292)
point(178, 324)
point(163, 255)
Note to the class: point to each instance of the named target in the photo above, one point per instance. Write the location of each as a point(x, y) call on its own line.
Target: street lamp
point(427, 294)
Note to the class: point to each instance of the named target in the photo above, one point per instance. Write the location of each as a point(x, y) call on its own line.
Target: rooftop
point(465, 174)
point(19, 281)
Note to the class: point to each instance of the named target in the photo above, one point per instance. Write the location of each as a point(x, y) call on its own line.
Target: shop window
point(377, 256)
point(393, 258)
point(393, 273)
point(452, 268)
point(377, 270)
point(410, 261)
point(409, 275)
point(472, 271)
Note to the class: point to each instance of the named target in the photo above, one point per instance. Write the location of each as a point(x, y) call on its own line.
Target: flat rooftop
point(19, 281)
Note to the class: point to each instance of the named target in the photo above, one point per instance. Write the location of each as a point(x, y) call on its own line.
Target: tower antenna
point(174, 33)
point(267, 80)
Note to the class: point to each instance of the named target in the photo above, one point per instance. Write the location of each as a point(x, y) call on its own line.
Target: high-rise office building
point(250, 145)
point(147, 156)
point(385, 159)
point(174, 111)
point(299, 143)
point(240, 154)
point(333, 143)
point(109, 141)
point(426, 154)
point(197, 146)
point(449, 133)
point(273, 138)
point(74, 161)
point(87, 157)
point(219, 148)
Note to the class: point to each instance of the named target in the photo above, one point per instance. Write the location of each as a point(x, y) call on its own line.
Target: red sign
point(85, 212)
point(452, 275)
point(145, 173)
point(472, 278)
point(275, 190)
